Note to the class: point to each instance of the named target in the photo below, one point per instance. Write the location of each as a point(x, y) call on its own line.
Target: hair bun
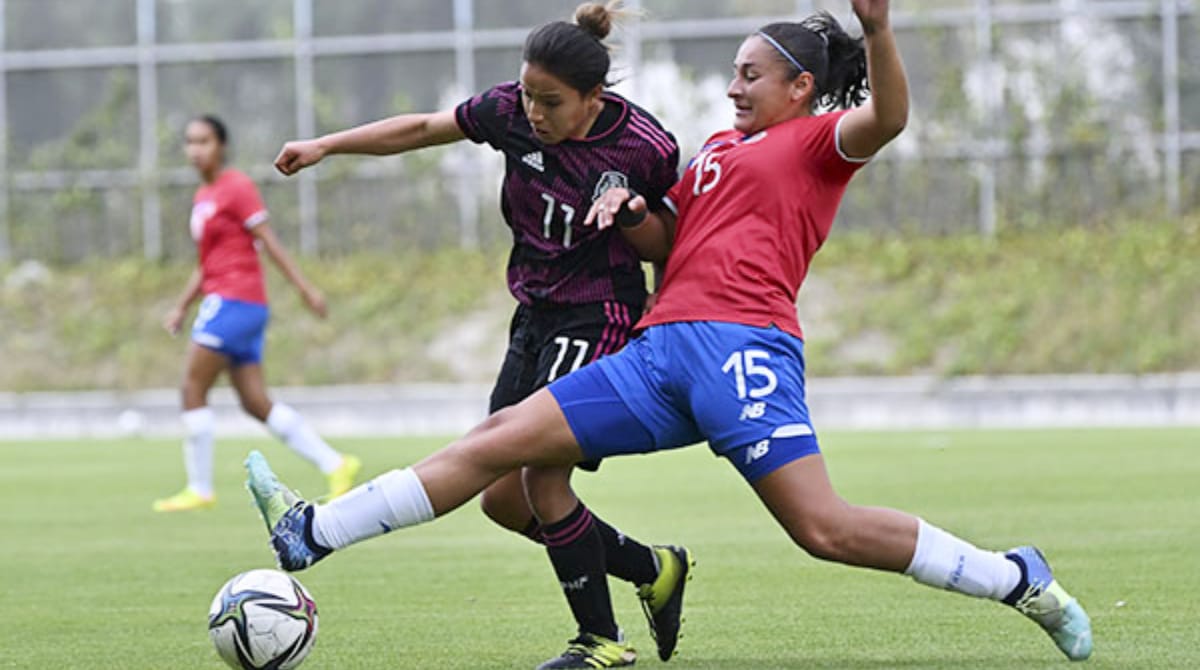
point(596, 18)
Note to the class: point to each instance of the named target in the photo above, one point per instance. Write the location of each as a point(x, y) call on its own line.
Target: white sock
point(946, 562)
point(200, 425)
point(395, 499)
point(287, 424)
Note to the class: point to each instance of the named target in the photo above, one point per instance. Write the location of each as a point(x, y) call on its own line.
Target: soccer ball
point(263, 619)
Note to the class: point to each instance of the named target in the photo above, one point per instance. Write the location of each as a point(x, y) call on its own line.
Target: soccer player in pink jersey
point(721, 355)
point(229, 225)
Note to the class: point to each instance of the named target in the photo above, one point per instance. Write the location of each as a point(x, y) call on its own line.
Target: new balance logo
point(575, 585)
point(757, 451)
point(535, 161)
point(754, 410)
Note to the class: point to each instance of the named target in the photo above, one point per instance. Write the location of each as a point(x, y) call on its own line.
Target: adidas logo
point(575, 584)
point(534, 160)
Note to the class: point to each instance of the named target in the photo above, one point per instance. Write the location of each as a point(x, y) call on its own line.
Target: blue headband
point(786, 54)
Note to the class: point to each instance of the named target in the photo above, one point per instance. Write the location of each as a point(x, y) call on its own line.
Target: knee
point(505, 505)
point(494, 421)
point(496, 505)
point(259, 408)
point(193, 392)
point(549, 492)
point(546, 484)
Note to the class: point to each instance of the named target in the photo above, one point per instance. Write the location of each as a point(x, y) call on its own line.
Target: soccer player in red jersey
point(566, 141)
point(721, 356)
point(229, 225)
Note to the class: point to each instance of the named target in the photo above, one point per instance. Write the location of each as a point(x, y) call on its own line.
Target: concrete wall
point(841, 403)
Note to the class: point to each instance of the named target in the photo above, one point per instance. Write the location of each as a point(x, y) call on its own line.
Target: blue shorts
point(232, 327)
point(739, 387)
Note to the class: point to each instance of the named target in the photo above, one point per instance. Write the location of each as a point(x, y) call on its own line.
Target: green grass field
point(90, 578)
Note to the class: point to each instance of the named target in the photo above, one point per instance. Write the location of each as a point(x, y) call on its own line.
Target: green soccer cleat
point(272, 498)
point(662, 601)
point(591, 651)
point(1041, 598)
point(289, 519)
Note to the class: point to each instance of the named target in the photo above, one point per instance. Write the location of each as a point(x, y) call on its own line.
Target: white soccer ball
point(263, 619)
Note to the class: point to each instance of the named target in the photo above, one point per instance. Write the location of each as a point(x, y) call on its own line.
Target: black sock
point(626, 558)
point(533, 530)
point(577, 553)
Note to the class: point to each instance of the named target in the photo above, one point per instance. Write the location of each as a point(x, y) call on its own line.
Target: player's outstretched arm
point(394, 135)
point(651, 234)
point(173, 322)
point(868, 128)
point(283, 260)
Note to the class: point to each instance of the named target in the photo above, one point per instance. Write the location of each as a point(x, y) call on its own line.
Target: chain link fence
point(1063, 112)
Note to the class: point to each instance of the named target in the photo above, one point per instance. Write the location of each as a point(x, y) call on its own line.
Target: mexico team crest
point(610, 179)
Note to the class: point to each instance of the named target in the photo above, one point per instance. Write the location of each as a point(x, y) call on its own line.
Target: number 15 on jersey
point(708, 173)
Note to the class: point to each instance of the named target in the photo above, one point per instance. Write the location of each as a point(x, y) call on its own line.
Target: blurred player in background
point(721, 358)
point(566, 141)
point(229, 224)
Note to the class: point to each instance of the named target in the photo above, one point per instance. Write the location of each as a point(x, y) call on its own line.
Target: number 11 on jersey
point(552, 205)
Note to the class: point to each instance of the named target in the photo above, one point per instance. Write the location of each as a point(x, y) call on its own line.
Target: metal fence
point(1026, 113)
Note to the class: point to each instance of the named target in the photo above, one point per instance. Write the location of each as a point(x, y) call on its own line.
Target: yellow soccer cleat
point(185, 500)
point(589, 652)
point(662, 601)
point(342, 479)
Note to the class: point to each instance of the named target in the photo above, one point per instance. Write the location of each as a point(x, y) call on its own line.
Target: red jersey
point(752, 212)
point(223, 214)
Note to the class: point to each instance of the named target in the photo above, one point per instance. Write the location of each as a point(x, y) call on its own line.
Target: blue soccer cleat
point(288, 517)
point(1041, 598)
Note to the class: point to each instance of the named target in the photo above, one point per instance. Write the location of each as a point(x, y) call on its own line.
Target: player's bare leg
point(291, 428)
point(203, 368)
point(533, 432)
point(505, 504)
point(802, 499)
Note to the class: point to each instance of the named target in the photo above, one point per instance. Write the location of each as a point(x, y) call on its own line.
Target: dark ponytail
point(575, 52)
point(837, 61)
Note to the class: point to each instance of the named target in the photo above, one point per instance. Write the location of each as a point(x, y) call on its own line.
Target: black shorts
point(545, 343)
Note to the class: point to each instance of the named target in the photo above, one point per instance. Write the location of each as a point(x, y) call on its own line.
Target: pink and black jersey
point(223, 214)
point(548, 191)
point(753, 211)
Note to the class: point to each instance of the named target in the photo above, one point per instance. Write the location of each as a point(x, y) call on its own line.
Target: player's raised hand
point(872, 14)
point(605, 210)
point(315, 301)
point(295, 156)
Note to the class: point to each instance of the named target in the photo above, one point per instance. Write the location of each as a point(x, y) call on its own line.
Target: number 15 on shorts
point(753, 379)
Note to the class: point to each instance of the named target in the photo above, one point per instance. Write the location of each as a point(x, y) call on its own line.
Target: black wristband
point(627, 218)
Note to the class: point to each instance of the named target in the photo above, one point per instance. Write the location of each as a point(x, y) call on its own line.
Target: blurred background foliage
point(1065, 115)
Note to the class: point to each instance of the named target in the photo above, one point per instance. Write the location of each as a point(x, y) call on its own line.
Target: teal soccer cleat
point(288, 517)
point(1041, 598)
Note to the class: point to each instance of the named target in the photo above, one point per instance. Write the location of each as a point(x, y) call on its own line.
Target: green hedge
point(1120, 299)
